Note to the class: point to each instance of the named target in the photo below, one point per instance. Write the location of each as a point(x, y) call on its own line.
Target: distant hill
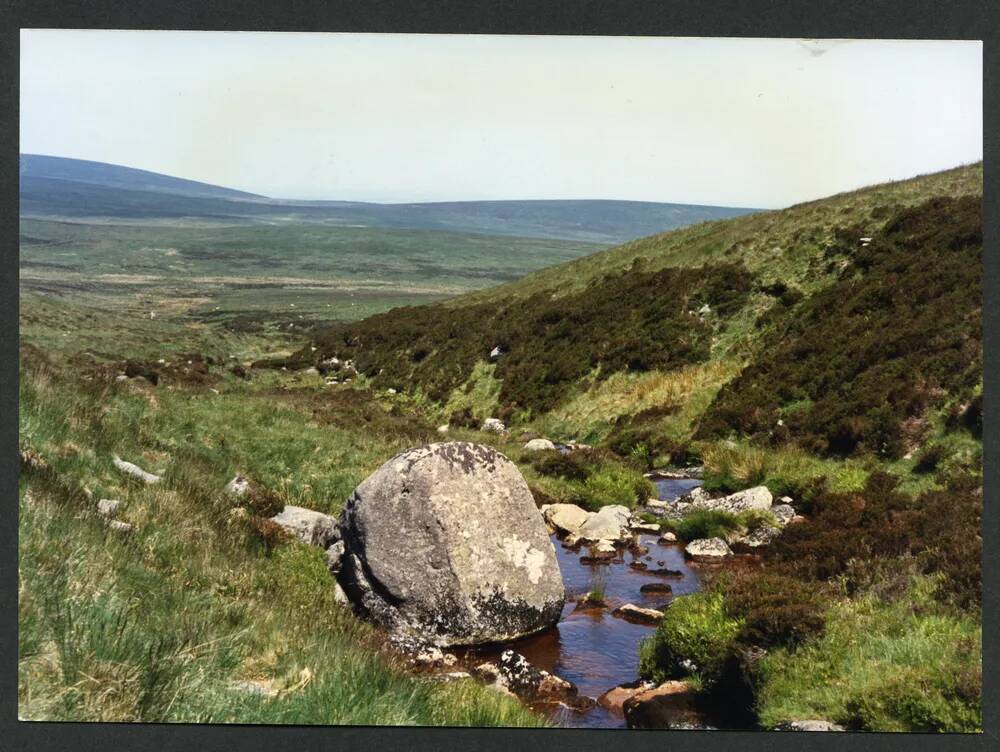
point(116, 176)
point(79, 189)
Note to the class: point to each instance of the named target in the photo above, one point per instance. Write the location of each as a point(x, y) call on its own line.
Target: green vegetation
point(631, 322)
point(857, 367)
point(591, 479)
point(202, 614)
point(694, 638)
point(897, 666)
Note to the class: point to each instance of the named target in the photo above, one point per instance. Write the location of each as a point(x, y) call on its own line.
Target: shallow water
point(590, 647)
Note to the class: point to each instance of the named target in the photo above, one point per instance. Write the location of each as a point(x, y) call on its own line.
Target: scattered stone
point(335, 557)
point(696, 494)
point(757, 538)
point(453, 676)
point(443, 428)
point(670, 705)
point(494, 425)
point(314, 528)
point(675, 574)
point(539, 445)
point(339, 596)
point(640, 614)
point(238, 486)
point(707, 549)
point(430, 656)
point(611, 522)
point(637, 549)
point(390, 390)
point(261, 687)
point(657, 503)
point(640, 565)
point(645, 527)
point(108, 507)
point(615, 697)
point(572, 541)
point(566, 518)
point(783, 513)
point(528, 682)
point(809, 725)
point(444, 541)
point(121, 527)
point(135, 471)
point(496, 352)
point(487, 672)
point(656, 588)
point(667, 538)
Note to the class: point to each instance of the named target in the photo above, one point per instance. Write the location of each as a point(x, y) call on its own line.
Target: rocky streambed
point(596, 647)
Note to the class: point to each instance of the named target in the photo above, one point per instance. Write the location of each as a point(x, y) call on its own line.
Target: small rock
point(487, 672)
point(259, 687)
point(429, 656)
point(567, 518)
point(674, 574)
point(108, 507)
point(707, 549)
point(631, 612)
point(493, 425)
point(135, 471)
point(667, 537)
point(639, 565)
point(645, 527)
point(442, 428)
point(669, 705)
point(539, 445)
point(238, 486)
point(314, 528)
point(335, 557)
point(611, 522)
point(809, 725)
point(339, 596)
point(757, 538)
point(390, 390)
point(783, 513)
point(454, 676)
point(614, 699)
point(656, 588)
point(121, 527)
point(311, 371)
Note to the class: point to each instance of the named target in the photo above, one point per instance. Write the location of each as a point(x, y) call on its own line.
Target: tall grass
point(898, 666)
point(163, 624)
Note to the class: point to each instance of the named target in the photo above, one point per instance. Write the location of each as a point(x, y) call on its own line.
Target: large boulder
point(444, 542)
point(610, 522)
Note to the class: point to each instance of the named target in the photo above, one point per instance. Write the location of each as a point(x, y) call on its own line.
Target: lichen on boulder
point(444, 542)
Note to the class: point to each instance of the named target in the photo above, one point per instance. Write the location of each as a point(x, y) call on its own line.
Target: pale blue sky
point(384, 117)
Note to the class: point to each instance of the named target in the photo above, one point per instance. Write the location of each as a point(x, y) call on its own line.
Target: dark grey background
point(897, 19)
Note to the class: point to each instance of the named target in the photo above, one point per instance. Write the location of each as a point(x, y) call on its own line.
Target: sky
point(396, 118)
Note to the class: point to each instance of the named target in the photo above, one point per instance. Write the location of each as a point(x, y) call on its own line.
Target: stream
point(590, 647)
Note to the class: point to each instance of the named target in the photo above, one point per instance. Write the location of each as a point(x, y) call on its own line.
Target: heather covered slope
point(853, 321)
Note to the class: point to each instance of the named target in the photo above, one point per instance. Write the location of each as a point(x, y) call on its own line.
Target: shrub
point(554, 463)
point(695, 637)
point(615, 484)
point(929, 458)
point(775, 609)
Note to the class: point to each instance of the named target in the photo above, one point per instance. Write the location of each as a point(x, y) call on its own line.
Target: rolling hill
point(78, 190)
